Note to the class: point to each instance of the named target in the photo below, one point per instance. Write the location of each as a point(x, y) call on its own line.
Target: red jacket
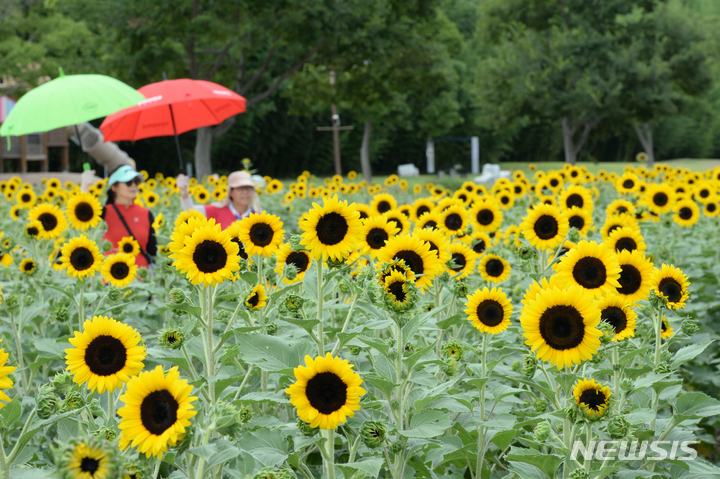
point(139, 220)
point(223, 216)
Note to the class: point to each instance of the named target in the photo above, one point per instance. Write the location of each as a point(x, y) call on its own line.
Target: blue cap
point(123, 174)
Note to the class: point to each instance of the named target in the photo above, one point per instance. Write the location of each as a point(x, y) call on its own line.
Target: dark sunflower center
point(81, 259)
point(453, 222)
point(517, 189)
point(628, 184)
point(383, 206)
point(593, 399)
point(396, 289)
point(158, 411)
point(479, 246)
point(660, 199)
point(671, 289)
point(363, 215)
point(253, 300)
point(119, 270)
point(577, 222)
point(326, 392)
point(33, 231)
point(209, 256)
point(422, 210)
point(711, 207)
point(615, 317)
point(485, 217)
point(29, 266)
point(300, 260)
point(554, 182)
point(261, 234)
point(241, 248)
point(172, 338)
point(459, 260)
point(25, 197)
point(574, 200)
point(562, 327)
point(685, 213)
point(703, 193)
point(376, 238)
point(89, 465)
point(663, 326)
point(625, 244)
point(128, 248)
point(84, 212)
point(105, 355)
point(622, 209)
point(49, 221)
point(590, 272)
point(630, 279)
point(412, 260)
point(504, 199)
point(430, 224)
point(546, 227)
point(332, 228)
point(490, 312)
point(494, 268)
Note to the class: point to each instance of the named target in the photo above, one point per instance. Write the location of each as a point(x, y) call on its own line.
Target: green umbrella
point(68, 100)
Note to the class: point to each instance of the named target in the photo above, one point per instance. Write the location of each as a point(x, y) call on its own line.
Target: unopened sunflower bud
point(335, 263)
point(618, 427)
point(177, 296)
point(106, 433)
point(12, 301)
point(542, 431)
point(294, 242)
point(667, 222)
point(579, 473)
point(526, 252)
point(226, 418)
point(172, 338)
point(572, 414)
point(106, 246)
point(450, 367)
point(540, 405)
point(392, 354)
point(599, 357)
point(73, 401)
point(374, 433)
point(305, 429)
point(344, 287)
point(689, 327)
point(454, 350)
point(142, 273)
point(243, 264)
point(114, 294)
point(573, 234)
point(275, 473)
point(397, 446)
point(461, 289)
point(290, 271)
point(134, 470)
point(62, 383)
point(28, 299)
point(244, 414)
point(662, 368)
point(627, 385)
point(657, 300)
point(61, 314)
point(293, 302)
point(445, 276)
point(47, 401)
point(271, 329)
point(529, 365)
point(607, 330)
point(410, 348)
point(355, 350)
point(617, 367)
point(516, 366)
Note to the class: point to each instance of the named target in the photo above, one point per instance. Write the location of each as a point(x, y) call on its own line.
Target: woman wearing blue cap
point(124, 218)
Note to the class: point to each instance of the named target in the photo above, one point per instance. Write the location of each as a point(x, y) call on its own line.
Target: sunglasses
point(134, 181)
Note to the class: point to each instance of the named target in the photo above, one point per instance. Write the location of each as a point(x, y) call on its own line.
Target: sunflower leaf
point(427, 424)
point(370, 466)
point(382, 384)
point(690, 352)
point(271, 353)
point(547, 463)
point(694, 405)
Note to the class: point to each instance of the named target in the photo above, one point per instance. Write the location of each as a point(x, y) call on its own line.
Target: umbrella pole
point(77, 132)
point(177, 141)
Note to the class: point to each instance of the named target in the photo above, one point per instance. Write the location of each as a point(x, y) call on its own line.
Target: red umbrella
point(173, 107)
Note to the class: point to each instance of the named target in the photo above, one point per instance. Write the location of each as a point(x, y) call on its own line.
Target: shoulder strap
point(142, 251)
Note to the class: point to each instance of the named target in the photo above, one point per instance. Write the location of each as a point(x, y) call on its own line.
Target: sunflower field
point(358, 330)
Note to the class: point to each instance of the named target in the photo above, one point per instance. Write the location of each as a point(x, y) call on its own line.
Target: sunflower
point(81, 257)
point(87, 461)
point(201, 194)
point(626, 238)
point(261, 234)
point(257, 299)
point(591, 266)
point(479, 242)
point(489, 310)
point(576, 195)
point(52, 220)
point(83, 211)
point(592, 398)
point(300, 259)
point(627, 183)
point(580, 219)
point(399, 220)
point(128, 245)
point(463, 258)
point(618, 207)
point(494, 268)
point(454, 219)
point(105, 355)
point(429, 220)
point(119, 269)
point(437, 241)
point(397, 291)
point(326, 391)
point(364, 211)
point(5, 381)
point(422, 206)
point(417, 256)
point(505, 200)
point(158, 222)
point(666, 331)
point(331, 230)
point(635, 275)
point(711, 210)
point(234, 232)
point(486, 216)
point(33, 229)
point(617, 311)
point(660, 197)
point(15, 212)
point(376, 231)
point(26, 198)
point(184, 216)
point(687, 212)
point(28, 266)
point(6, 259)
point(670, 283)
point(157, 411)
point(382, 203)
point(545, 227)
point(561, 325)
point(209, 256)
point(622, 220)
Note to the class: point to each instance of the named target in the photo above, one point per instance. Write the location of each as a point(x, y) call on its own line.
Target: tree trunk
point(365, 152)
point(644, 133)
point(569, 145)
point(203, 148)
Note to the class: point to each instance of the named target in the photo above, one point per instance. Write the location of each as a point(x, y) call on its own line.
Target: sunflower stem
point(330, 455)
point(111, 407)
point(616, 373)
point(320, 299)
point(588, 439)
point(21, 361)
point(483, 370)
point(336, 348)
point(156, 469)
point(81, 307)
point(658, 342)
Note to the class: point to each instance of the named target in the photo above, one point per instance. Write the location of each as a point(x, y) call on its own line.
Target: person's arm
point(185, 200)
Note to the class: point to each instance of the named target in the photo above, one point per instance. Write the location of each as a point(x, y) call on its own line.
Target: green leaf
point(503, 439)
point(384, 385)
point(427, 424)
point(378, 344)
point(10, 414)
point(271, 353)
point(51, 348)
point(695, 405)
point(307, 324)
point(261, 397)
point(249, 277)
point(205, 452)
point(690, 352)
point(193, 310)
point(267, 446)
point(547, 463)
point(370, 466)
point(640, 416)
point(625, 359)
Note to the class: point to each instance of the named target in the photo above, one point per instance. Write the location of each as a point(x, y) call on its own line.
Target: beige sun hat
point(239, 178)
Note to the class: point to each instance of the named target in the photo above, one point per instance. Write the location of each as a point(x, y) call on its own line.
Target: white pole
point(475, 155)
point(430, 155)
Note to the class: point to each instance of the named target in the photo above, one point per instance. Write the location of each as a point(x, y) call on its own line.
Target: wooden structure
point(34, 147)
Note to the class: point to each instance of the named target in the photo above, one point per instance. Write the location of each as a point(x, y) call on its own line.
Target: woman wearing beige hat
point(242, 199)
